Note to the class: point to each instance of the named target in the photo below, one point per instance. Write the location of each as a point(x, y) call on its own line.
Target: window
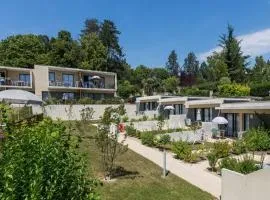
point(68, 80)
point(52, 76)
point(246, 122)
point(68, 95)
point(25, 78)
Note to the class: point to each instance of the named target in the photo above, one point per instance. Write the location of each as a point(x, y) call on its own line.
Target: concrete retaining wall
point(254, 186)
point(153, 125)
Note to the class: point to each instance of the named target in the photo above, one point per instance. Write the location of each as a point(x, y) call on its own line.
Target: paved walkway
point(195, 174)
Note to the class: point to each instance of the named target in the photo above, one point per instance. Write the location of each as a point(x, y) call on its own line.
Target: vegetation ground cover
point(138, 178)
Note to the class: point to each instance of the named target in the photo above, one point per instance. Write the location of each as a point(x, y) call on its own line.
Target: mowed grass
point(142, 179)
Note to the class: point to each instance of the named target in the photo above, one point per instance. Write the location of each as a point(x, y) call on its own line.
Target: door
point(232, 129)
point(68, 80)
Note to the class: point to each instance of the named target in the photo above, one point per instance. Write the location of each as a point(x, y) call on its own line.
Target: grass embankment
point(141, 179)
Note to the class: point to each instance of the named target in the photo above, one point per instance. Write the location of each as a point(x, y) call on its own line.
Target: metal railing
point(9, 82)
point(79, 84)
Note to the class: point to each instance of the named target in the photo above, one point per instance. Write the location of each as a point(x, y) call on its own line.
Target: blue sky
point(150, 28)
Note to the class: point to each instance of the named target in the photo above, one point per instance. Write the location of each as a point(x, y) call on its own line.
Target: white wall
point(254, 186)
point(61, 111)
point(152, 125)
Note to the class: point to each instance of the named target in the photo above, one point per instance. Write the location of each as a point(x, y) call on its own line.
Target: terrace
point(80, 79)
point(15, 77)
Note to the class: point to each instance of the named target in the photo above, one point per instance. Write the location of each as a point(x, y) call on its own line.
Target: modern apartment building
point(60, 82)
point(241, 113)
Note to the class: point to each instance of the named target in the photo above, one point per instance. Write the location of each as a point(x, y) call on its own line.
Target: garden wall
point(61, 111)
point(254, 186)
point(172, 123)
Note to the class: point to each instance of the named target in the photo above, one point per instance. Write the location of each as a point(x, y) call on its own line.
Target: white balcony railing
point(6, 82)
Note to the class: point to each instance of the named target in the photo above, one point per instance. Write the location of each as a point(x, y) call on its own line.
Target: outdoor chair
point(215, 133)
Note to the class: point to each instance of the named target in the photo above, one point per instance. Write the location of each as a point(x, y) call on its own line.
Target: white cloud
point(252, 44)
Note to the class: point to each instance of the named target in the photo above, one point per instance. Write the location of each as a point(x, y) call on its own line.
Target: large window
point(68, 95)
point(68, 80)
point(25, 78)
point(178, 109)
point(52, 76)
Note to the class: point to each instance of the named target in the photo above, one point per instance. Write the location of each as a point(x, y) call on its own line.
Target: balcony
point(87, 85)
point(9, 83)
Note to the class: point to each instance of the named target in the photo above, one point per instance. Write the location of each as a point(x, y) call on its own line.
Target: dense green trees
point(98, 48)
point(23, 50)
point(94, 53)
point(64, 51)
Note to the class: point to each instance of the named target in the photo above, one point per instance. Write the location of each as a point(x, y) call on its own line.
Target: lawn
point(141, 180)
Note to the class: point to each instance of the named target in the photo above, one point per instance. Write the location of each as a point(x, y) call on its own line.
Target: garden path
point(195, 174)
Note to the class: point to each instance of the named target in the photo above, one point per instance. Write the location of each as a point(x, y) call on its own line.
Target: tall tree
point(109, 35)
point(233, 55)
point(217, 67)
point(140, 73)
point(23, 50)
point(191, 64)
point(91, 26)
point(261, 71)
point(172, 64)
point(150, 85)
point(64, 50)
point(160, 73)
point(94, 54)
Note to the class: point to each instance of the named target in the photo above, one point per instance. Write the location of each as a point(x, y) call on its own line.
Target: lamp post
point(164, 163)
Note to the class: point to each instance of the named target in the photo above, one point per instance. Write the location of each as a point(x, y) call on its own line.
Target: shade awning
point(19, 97)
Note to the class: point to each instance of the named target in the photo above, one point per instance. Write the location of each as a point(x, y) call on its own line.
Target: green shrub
point(257, 139)
point(41, 162)
point(245, 166)
point(125, 118)
point(207, 86)
point(86, 100)
point(148, 139)
point(224, 81)
point(239, 147)
point(218, 150)
point(163, 139)
point(221, 149)
point(144, 118)
point(194, 92)
point(261, 90)
point(233, 90)
point(131, 131)
point(183, 151)
point(212, 160)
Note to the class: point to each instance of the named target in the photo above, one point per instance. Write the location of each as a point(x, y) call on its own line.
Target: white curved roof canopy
point(19, 97)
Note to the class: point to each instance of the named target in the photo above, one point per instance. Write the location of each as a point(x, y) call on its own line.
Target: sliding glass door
point(68, 80)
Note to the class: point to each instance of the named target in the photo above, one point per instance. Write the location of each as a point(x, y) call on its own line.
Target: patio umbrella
point(168, 108)
point(220, 120)
point(95, 77)
point(19, 97)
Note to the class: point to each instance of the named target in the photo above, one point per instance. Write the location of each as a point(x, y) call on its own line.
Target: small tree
point(160, 122)
point(107, 141)
point(83, 125)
